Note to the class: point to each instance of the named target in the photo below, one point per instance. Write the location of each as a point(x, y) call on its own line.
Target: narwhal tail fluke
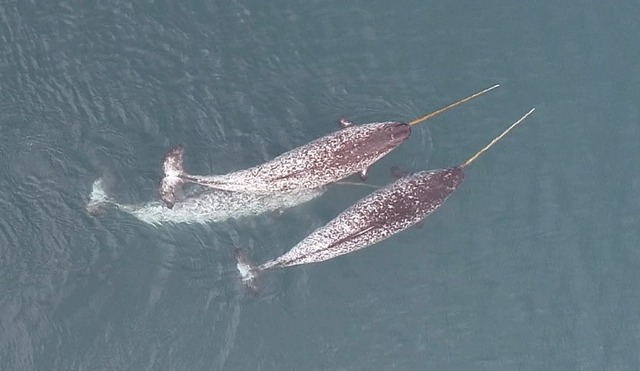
point(248, 271)
point(99, 199)
point(172, 173)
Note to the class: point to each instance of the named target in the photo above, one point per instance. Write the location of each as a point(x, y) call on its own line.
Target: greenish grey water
point(532, 264)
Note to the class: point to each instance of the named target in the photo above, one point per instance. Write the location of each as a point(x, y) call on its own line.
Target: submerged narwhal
point(318, 163)
point(201, 205)
point(374, 218)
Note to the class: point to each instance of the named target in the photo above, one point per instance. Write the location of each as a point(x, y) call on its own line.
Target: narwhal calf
point(374, 218)
point(323, 161)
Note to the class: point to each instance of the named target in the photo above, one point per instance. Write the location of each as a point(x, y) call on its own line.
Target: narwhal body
point(374, 218)
point(203, 205)
point(316, 164)
point(323, 161)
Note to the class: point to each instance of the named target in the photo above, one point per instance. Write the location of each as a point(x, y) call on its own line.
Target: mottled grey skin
point(323, 161)
point(374, 218)
point(202, 205)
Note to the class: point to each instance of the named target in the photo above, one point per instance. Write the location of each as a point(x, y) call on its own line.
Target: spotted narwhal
point(374, 218)
point(202, 205)
point(316, 164)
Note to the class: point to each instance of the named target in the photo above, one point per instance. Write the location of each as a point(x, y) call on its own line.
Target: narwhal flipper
point(172, 173)
point(397, 172)
point(364, 174)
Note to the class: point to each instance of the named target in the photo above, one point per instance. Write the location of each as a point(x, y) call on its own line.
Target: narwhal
point(201, 205)
point(374, 218)
point(318, 163)
point(205, 205)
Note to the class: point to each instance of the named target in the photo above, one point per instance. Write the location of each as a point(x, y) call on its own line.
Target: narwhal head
point(390, 134)
point(379, 139)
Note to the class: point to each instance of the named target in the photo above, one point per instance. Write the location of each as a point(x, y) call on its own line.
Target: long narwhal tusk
point(496, 139)
point(435, 113)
